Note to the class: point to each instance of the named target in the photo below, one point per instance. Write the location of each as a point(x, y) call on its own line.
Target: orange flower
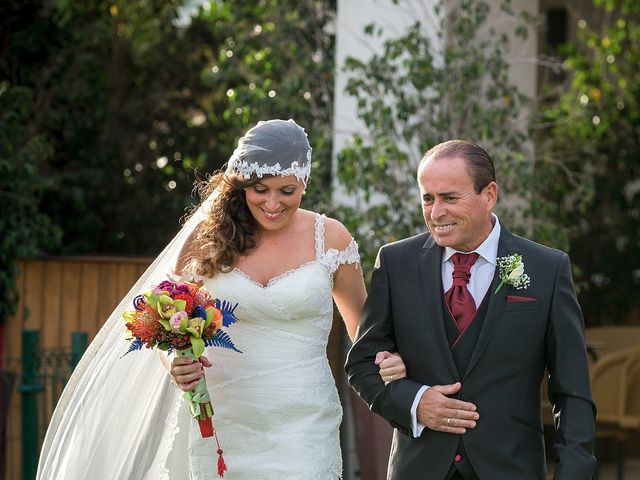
point(146, 323)
point(216, 323)
point(188, 299)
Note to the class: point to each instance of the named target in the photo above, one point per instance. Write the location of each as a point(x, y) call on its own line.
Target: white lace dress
point(277, 410)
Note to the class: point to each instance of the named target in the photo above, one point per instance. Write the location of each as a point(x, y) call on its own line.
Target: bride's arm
point(348, 285)
point(180, 368)
point(349, 294)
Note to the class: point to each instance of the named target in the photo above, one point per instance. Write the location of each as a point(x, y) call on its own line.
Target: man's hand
point(439, 412)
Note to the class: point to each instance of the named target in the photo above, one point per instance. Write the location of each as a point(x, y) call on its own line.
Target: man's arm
point(569, 384)
point(375, 334)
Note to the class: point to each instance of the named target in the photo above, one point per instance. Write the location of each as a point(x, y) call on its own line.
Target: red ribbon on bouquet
point(184, 317)
point(202, 411)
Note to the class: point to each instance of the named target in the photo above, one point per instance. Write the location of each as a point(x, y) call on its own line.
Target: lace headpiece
point(272, 147)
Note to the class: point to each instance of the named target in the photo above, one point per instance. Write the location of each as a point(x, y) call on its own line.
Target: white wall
point(354, 15)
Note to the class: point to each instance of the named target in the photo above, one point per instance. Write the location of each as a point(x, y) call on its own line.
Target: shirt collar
point(487, 249)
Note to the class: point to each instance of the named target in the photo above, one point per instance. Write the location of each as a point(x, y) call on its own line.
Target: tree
point(110, 110)
point(272, 59)
point(25, 230)
point(414, 95)
point(587, 160)
point(137, 104)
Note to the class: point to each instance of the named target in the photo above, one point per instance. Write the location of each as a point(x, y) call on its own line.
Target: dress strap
point(320, 234)
point(333, 258)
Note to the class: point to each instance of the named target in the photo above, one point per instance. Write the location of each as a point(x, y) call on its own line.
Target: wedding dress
point(277, 411)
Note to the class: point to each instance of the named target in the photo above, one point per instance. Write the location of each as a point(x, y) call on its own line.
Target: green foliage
point(270, 59)
point(587, 160)
point(111, 109)
point(25, 230)
point(411, 97)
point(137, 104)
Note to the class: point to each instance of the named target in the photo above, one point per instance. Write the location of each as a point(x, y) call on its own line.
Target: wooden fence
point(64, 294)
point(58, 296)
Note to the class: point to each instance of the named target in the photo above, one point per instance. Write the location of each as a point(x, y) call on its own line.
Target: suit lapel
point(496, 301)
point(431, 279)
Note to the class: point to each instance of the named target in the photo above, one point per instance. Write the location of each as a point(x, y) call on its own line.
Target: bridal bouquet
point(185, 318)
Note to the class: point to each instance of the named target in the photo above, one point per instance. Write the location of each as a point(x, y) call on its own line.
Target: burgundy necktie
point(458, 297)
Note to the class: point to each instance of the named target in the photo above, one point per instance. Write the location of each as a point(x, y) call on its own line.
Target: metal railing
point(40, 376)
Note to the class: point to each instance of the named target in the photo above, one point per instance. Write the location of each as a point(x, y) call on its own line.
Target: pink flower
point(176, 320)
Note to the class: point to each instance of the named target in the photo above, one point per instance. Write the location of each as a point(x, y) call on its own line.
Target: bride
point(277, 410)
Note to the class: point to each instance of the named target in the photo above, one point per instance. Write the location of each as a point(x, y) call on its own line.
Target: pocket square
point(516, 298)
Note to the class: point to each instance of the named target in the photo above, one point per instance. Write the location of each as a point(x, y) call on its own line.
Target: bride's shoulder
point(336, 235)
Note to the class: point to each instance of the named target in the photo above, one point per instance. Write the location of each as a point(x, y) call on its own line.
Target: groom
point(475, 349)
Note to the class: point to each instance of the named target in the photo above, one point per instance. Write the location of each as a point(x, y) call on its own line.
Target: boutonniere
point(512, 272)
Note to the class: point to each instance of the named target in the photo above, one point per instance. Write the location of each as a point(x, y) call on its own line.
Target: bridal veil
point(116, 418)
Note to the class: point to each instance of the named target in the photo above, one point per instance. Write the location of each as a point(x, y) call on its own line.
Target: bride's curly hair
point(228, 230)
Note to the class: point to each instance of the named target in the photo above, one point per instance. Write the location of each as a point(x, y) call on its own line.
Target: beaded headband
point(272, 147)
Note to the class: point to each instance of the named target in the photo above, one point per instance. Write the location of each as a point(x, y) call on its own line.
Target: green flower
point(166, 307)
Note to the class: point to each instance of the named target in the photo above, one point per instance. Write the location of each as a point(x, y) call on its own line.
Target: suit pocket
point(519, 298)
point(527, 424)
point(522, 306)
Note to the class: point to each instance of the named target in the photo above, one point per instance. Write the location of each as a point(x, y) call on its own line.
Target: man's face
point(455, 214)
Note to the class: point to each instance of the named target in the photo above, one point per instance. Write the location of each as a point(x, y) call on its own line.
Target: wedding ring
point(391, 377)
point(448, 422)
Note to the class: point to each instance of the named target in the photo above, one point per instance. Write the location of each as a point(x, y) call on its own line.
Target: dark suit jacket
point(518, 340)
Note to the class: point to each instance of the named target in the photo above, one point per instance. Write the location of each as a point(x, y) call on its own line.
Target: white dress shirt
point(481, 276)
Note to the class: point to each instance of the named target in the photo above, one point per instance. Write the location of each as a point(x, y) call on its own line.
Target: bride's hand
point(186, 373)
point(391, 366)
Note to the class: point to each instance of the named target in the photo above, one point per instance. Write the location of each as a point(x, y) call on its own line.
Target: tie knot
point(464, 259)
point(462, 263)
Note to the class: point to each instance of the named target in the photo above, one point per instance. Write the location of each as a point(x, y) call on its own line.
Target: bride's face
point(273, 200)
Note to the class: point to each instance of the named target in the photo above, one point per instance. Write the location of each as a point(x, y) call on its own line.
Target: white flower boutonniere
point(512, 272)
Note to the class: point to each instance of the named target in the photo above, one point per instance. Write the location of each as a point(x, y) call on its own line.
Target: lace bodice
point(330, 259)
point(277, 411)
point(277, 407)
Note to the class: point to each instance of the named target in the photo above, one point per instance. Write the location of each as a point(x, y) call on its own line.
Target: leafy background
point(111, 109)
